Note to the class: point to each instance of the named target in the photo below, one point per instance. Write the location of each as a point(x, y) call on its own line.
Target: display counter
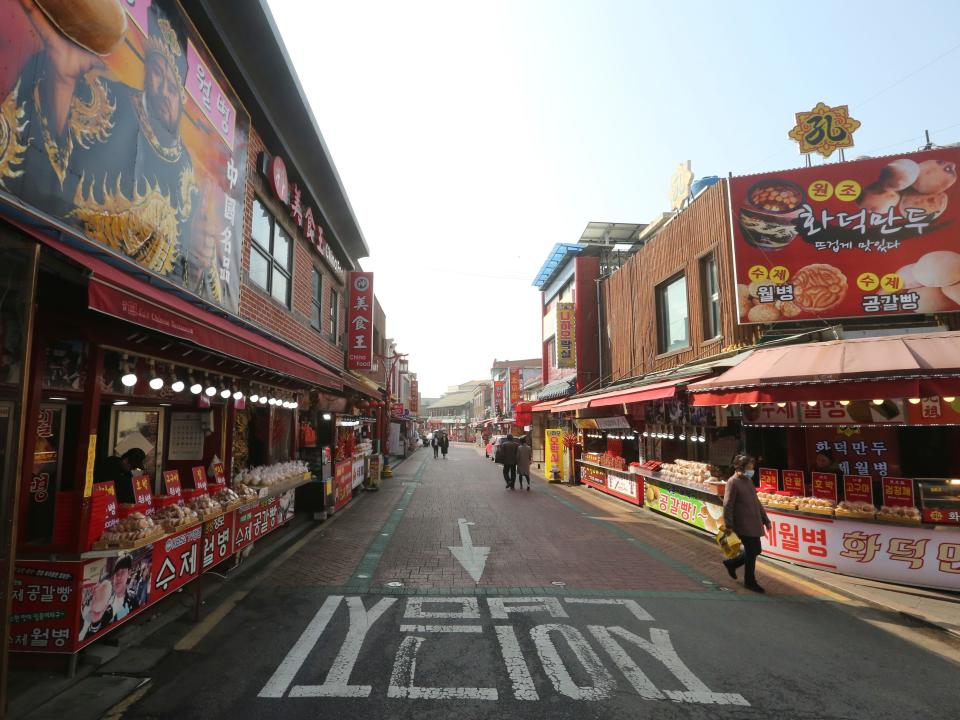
point(622, 484)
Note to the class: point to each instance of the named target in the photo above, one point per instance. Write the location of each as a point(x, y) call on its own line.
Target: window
point(672, 314)
point(315, 313)
point(335, 315)
point(552, 350)
point(270, 255)
point(711, 297)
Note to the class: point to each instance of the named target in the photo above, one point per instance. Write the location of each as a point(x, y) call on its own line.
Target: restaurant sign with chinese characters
point(914, 556)
point(360, 321)
point(870, 238)
point(824, 129)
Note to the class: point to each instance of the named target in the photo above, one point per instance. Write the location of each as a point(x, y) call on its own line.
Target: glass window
point(335, 315)
point(711, 297)
point(673, 315)
point(270, 255)
point(315, 300)
point(552, 350)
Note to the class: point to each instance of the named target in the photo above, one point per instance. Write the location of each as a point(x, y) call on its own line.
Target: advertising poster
point(176, 561)
point(869, 238)
point(555, 453)
point(342, 483)
point(877, 551)
point(566, 335)
point(153, 170)
point(700, 514)
point(217, 540)
point(870, 451)
point(498, 399)
point(45, 606)
point(358, 472)
point(360, 321)
point(515, 386)
point(113, 589)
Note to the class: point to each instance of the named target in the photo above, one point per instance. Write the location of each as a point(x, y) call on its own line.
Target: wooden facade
point(629, 294)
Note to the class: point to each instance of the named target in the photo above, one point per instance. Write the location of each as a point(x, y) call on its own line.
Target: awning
point(558, 389)
point(544, 406)
point(121, 295)
point(571, 404)
point(921, 365)
point(361, 386)
point(655, 391)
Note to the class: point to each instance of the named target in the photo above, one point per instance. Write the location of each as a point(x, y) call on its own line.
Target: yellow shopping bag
point(729, 543)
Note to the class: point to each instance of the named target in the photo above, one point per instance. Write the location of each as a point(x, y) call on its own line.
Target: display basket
point(158, 533)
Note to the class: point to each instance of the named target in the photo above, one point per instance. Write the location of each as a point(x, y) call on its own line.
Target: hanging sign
point(566, 337)
point(498, 399)
point(898, 492)
point(515, 383)
point(360, 321)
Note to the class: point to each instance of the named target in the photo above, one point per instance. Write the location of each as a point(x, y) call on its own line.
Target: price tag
point(824, 485)
point(108, 490)
point(858, 488)
point(171, 481)
point(793, 481)
point(898, 491)
point(142, 494)
point(219, 474)
point(770, 476)
point(199, 478)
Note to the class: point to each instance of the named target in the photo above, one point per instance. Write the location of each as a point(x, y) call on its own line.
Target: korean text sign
point(515, 385)
point(498, 398)
point(897, 491)
point(566, 335)
point(360, 321)
point(793, 481)
point(553, 440)
point(869, 238)
point(158, 178)
point(824, 485)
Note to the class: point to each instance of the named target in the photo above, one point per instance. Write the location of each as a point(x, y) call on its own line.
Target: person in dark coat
point(743, 513)
point(508, 457)
point(435, 444)
point(444, 445)
point(524, 454)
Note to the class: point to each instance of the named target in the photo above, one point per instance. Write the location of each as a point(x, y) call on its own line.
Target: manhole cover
point(558, 583)
point(394, 583)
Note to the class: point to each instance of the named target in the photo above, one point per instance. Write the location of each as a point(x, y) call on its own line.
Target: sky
point(473, 136)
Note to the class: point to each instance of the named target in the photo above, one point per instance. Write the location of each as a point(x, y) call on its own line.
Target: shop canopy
point(893, 366)
point(644, 393)
point(114, 291)
point(575, 403)
point(544, 406)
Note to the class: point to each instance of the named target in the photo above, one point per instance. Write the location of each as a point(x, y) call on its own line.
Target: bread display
point(855, 509)
point(134, 528)
point(174, 517)
point(696, 475)
point(227, 498)
point(266, 476)
point(899, 514)
point(778, 501)
point(205, 507)
point(822, 506)
point(95, 25)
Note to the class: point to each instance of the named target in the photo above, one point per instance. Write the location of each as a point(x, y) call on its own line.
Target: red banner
point(515, 386)
point(175, 562)
point(854, 239)
point(793, 481)
point(824, 485)
point(770, 477)
point(44, 610)
point(858, 488)
point(360, 321)
point(414, 396)
point(342, 484)
point(898, 491)
point(217, 540)
point(498, 397)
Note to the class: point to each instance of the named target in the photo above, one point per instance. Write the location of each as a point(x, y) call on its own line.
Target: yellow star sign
point(824, 129)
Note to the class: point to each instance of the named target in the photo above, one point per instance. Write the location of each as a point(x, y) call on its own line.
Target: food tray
point(130, 544)
point(171, 528)
point(855, 515)
point(206, 515)
point(817, 511)
point(898, 521)
point(231, 506)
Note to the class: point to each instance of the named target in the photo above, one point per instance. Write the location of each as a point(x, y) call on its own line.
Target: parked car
point(494, 443)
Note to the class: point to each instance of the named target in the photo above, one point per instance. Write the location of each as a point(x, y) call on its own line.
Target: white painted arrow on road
point(472, 558)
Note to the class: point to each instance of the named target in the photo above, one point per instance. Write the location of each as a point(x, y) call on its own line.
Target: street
point(582, 606)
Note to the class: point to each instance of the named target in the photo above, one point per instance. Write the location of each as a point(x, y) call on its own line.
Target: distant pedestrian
point(435, 443)
point(743, 513)
point(444, 445)
point(524, 453)
point(508, 458)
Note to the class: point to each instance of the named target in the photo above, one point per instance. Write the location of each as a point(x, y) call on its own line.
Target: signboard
point(360, 321)
point(219, 475)
point(915, 556)
point(44, 607)
point(158, 178)
point(175, 561)
point(414, 396)
point(831, 412)
point(358, 472)
point(858, 488)
point(700, 514)
point(871, 238)
point(342, 483)
point(770, 477)
point(142, 494)
point(680, 185)
point(824, 129)
point(593, 476)
point(171, 483)
point(824, 485)
point(555, 453)
point(199, 478)
point(376, 465)
point(396, 409)
point(498, 399)
point(793, 481)
point(566, 335)
point(217, 540)
point(897, 491)
point(515, 385)
point(854, 450)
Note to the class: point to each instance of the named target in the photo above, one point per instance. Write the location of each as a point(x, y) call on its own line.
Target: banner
point(155, 171)
point(360, 321)
point(555, 453)
point(566, 335)
point(516, 382)
point(923, 557)
point(414, 396)
point(498, 399)
point(870, 238)
point(342, 483)
point(700, 514)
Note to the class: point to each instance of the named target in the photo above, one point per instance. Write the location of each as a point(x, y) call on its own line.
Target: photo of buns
point(819, 287)
point(938, 269)
point(899, 175)
point(935, 176)
point(931, 204)
point(95, 25)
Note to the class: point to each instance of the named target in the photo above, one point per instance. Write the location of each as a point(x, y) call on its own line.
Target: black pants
point(522, 476)
point(436, 451)
point(748, 558)
point(510, 474)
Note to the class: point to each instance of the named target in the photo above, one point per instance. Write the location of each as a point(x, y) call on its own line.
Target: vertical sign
point(91, 461)
point(142, 494)
point(553, 440)
point(360, 321)
point(824, 485)
point(858, 488)
point(898, 491)
point(199, 478)
point(171, 482)
point(414, 396)
point(566, 336)
point(515, 384)
point(498, 397)
point(769, 477)
point(793, 481)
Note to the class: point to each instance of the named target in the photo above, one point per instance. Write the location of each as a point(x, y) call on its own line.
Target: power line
point(909, 75)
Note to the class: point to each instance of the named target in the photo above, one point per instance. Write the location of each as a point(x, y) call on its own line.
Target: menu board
point(793, 481)
point(199, 478)
point(858, 488)
point(171, 482)
point(824, 485)
point(142, 494)
point(770, 477)
point(898, 491)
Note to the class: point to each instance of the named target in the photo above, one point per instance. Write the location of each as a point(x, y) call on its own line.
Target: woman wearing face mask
point(743, 513)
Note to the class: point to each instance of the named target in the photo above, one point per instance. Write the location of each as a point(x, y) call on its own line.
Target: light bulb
point(196, 388)
point(119, 402)
point(683, 437)
point(948, 398)
point(646, 434)
point(702, 438)
point(812, 403)
point(263, 399)
point(914, 401)
point(781, 404)
point(225, 393)
point(129, 379)
point(254, 397)
point(177, 386)
point(272, 401)
point(724, 406)
point(211, 391)
point(844, 402)
point(878, 401)
point(753, 404)
point(238, 395)
point(156, 383)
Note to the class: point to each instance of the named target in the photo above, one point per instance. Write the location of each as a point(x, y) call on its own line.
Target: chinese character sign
point(153, 171)
point(566, 335)
point(515, 384)
point(360, 321)
point(414, 396)
point(824, 129)
point(498, 399)
point(869, 238)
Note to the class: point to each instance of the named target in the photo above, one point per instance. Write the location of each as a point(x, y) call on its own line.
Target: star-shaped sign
point(824, 129)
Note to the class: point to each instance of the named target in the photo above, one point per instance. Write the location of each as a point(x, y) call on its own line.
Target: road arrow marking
point(472, 558)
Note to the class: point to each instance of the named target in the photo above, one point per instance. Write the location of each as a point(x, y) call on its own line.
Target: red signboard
point(869, 238)
point(142, 494)
point(217, 541)
point(360, 321)
point(199, 478)
point(941, 516)
point(277, 173)
point(175, 561)
point(898, 491)
point(858, 488)
point(342, 484)
point(219, 474)
point(498, 396)
point(171, 482)
point(793, 481)
point(414, 396)
point(515, 383)
point(396, 409)
point(824, 485)
point(44, 610)
point(770, 477)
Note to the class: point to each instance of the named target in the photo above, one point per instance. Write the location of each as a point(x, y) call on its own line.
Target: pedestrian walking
point(743, 513)
point(508, 457)
point(444, 445)
point(435, 443)
point(524, 453)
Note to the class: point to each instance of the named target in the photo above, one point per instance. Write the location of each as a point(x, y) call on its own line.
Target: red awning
point(544, 406)
point(361, 387)
point(859, 369)
point(574, 403)
point(116, 293)
point(655, 391)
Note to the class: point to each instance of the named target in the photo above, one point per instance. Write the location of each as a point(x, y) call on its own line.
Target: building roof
point(453, 400)
point(558, 389)
point(507, 364)
point(555, 260)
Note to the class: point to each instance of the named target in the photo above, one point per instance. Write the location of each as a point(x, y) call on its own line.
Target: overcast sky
point(472, 136)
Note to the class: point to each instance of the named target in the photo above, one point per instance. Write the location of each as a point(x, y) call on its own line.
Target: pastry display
point(822, 506)
point(133, 529)
point(227, 498)
point(819, 287)
point(778, 501)
point(899, 514)
point(174, 517)
point(266, 476)
point(696, 475)
point(245, 492)
point(855, 509)
point(205, 507)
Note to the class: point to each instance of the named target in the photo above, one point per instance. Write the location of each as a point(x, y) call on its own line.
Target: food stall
point(610, 452)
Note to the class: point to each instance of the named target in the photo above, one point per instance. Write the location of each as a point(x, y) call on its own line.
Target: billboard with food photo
point(868, 238)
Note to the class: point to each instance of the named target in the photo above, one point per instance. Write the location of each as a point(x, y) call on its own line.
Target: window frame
point(333, 316)
point(316, 298)
point(268, 255)
point(664, 346)
point(710, 295)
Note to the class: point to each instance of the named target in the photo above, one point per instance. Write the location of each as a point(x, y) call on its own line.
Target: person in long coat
point(524, 453)
point(743, 513)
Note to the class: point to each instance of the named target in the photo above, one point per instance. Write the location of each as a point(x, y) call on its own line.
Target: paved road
point(582, 607)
